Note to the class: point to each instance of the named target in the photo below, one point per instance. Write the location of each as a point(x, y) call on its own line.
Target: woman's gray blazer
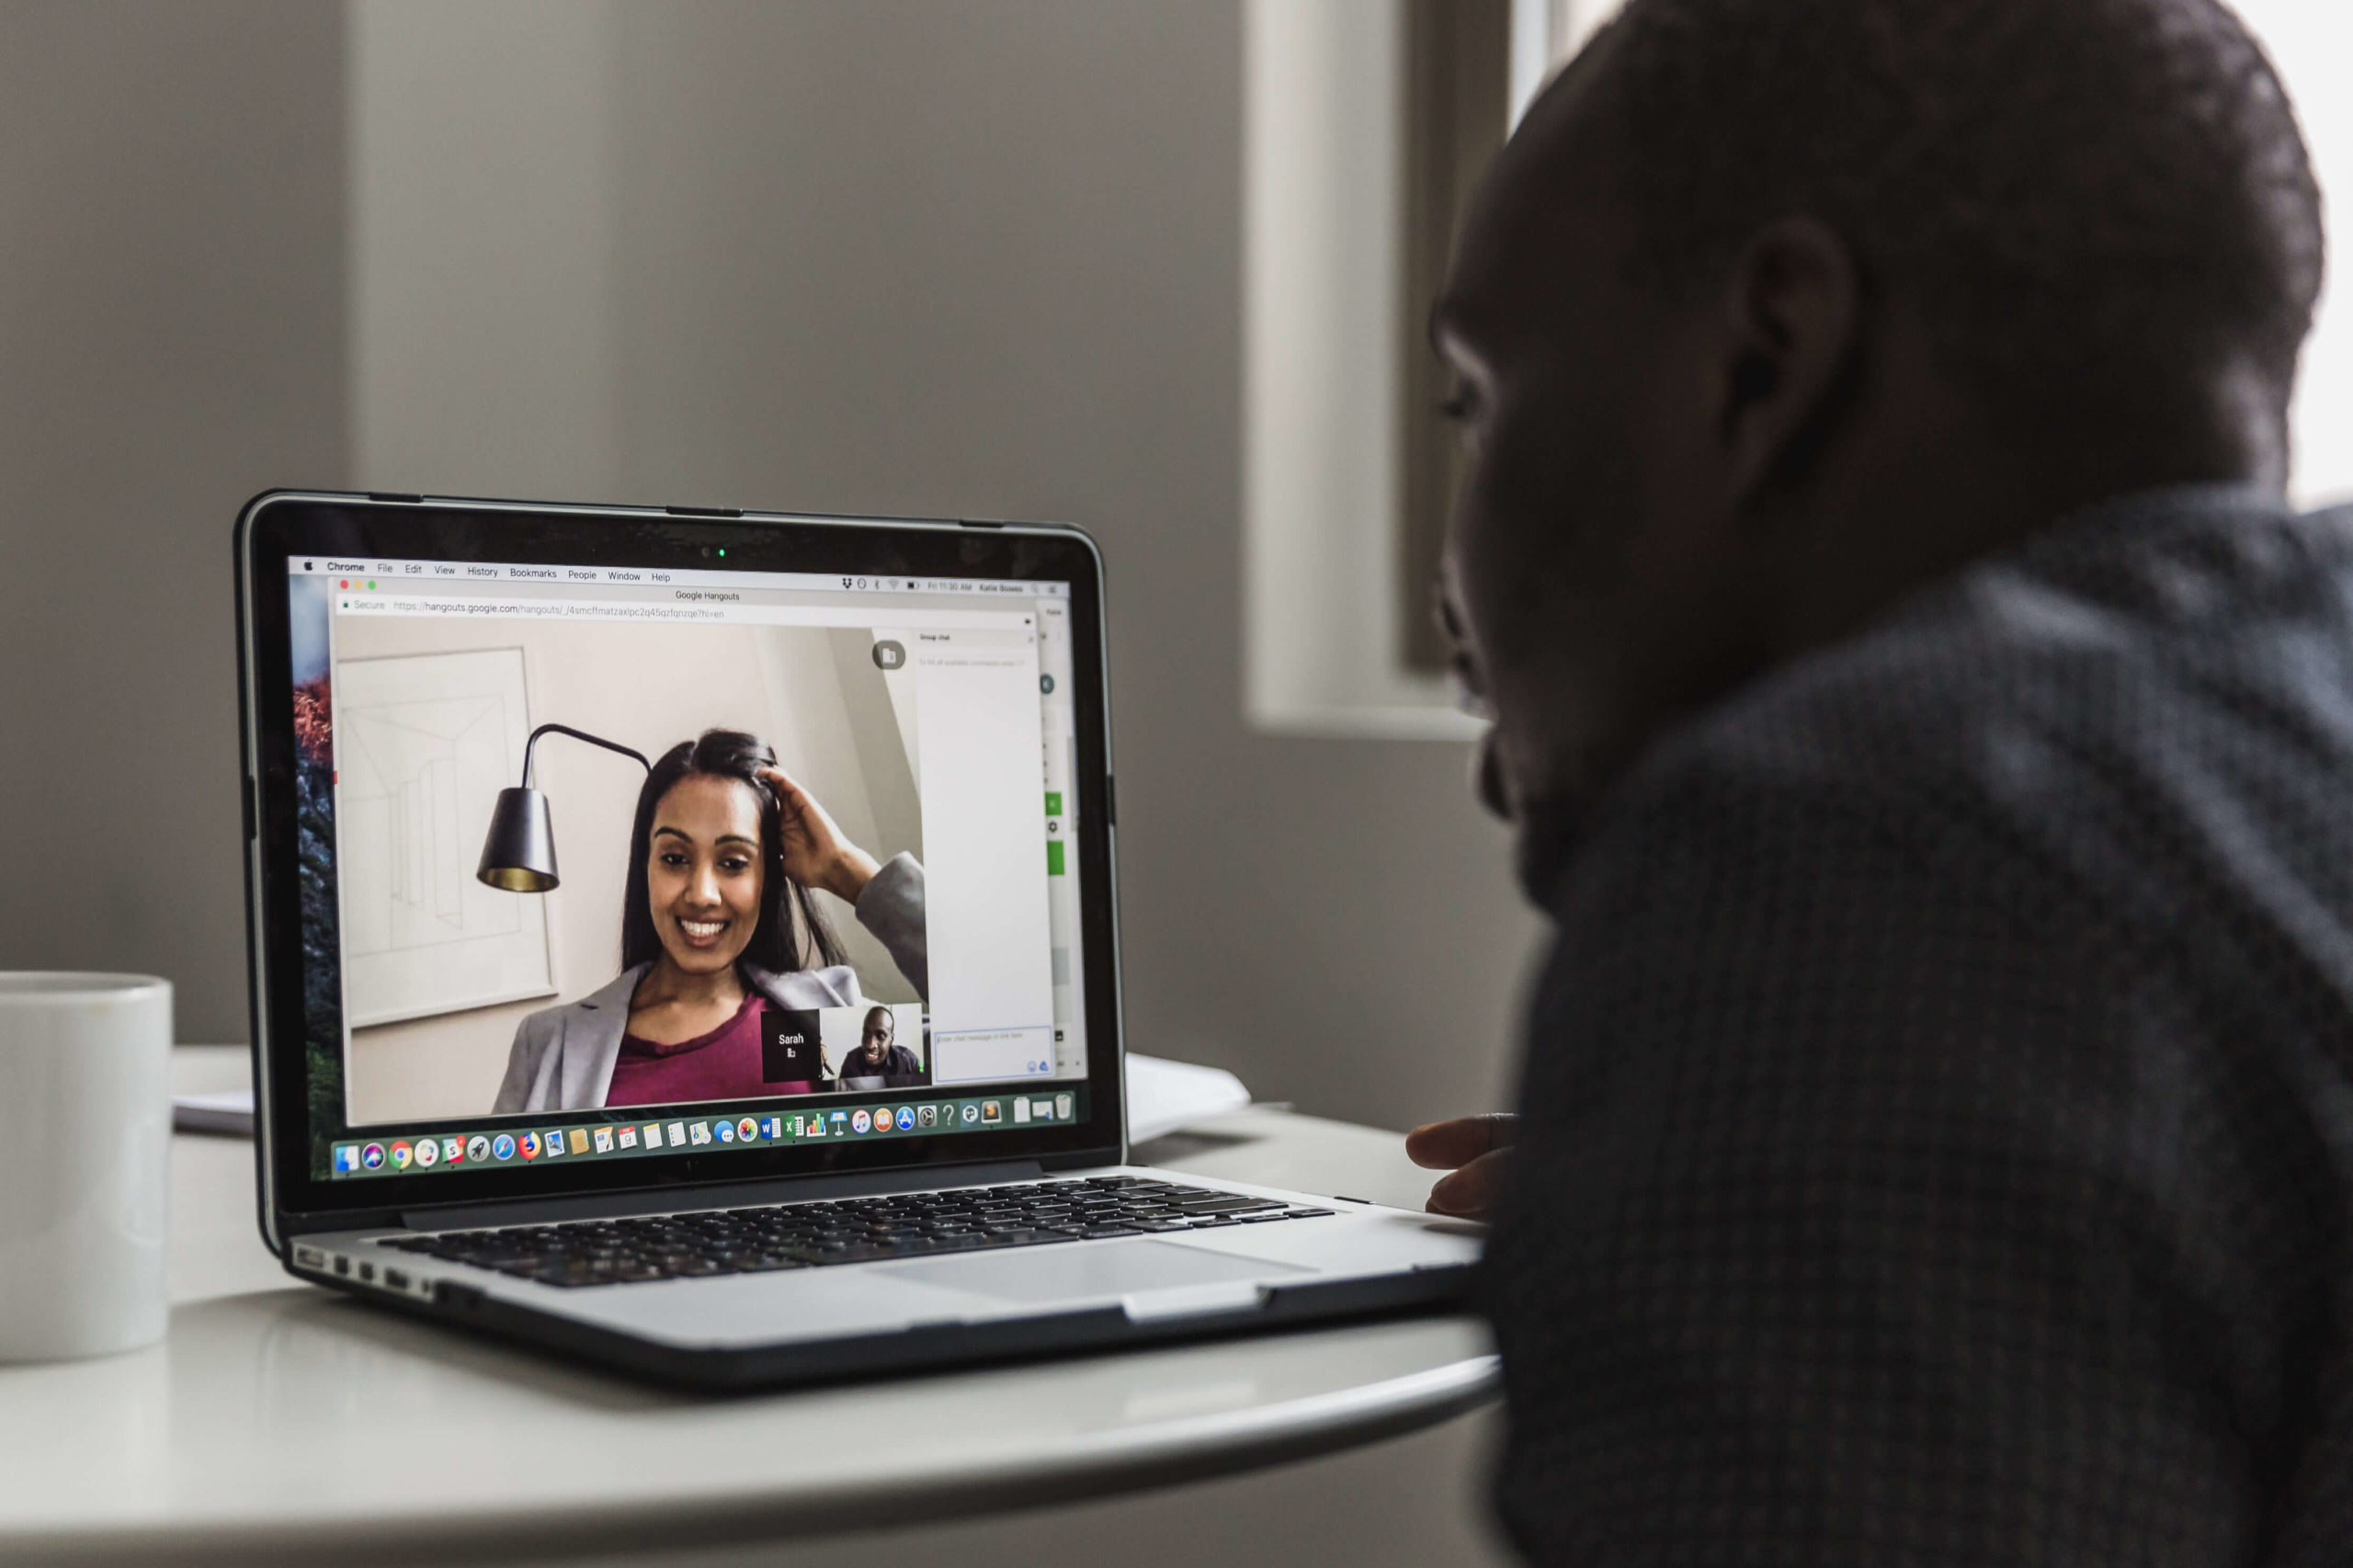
point(562, 1057)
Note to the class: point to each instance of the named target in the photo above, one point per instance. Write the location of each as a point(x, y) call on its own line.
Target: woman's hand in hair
point(1476, 1149)
point(816, 853)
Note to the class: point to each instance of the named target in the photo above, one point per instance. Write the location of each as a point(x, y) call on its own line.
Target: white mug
point(86, 1078)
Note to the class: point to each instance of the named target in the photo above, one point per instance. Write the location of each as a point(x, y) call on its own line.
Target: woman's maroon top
point(723, 1064)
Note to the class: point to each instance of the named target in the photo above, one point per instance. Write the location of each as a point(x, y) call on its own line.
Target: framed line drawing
point(424, 742)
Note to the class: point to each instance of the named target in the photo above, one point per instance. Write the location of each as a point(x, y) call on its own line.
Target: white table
point(283, 1420)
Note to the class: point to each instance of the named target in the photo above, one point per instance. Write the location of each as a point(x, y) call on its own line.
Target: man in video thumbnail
point(880, 1061)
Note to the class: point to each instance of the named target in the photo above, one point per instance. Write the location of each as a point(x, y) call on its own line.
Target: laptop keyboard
point(854, 1230)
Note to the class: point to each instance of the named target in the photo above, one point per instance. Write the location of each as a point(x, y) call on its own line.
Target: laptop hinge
point(669, 1200)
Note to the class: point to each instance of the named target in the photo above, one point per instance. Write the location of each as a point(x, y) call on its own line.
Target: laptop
point(685, 939)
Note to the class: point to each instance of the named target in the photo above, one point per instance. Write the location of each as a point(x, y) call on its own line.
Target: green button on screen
point(1053, 857)
point(1053, 803)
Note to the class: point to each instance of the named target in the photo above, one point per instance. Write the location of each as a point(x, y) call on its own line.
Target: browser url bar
point(703, 613)
point(530, 609)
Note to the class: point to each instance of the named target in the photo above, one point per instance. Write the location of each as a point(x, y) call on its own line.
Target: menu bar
point(375, 571)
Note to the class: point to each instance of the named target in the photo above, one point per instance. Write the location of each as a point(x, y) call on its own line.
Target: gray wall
point(171, 341)
point(898, 258)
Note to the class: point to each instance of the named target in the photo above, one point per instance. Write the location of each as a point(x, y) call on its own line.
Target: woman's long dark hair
point(792, 933)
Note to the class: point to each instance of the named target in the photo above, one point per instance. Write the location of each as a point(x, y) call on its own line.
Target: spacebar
point(920, 1246)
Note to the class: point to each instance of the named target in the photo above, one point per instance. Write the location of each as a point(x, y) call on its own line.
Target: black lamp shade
point(519, 853)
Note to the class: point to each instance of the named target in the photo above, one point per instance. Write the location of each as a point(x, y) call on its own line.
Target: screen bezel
point(280, 524)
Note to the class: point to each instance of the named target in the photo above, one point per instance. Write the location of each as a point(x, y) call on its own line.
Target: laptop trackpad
point(1064, 1272)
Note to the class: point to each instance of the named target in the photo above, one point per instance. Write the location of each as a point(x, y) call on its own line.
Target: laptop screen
point(606, 864)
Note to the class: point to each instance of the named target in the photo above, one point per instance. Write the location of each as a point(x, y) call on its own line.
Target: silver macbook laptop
point(687, 939)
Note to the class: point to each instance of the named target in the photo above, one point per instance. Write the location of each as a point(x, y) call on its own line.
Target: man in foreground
point(1932, 732)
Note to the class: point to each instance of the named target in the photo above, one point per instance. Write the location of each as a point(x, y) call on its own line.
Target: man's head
point(875, 1035)
point(1775, 309)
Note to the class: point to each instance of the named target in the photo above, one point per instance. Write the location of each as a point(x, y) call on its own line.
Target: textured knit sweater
point(1938, 1107)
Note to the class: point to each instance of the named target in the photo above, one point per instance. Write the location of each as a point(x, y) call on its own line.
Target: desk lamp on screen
point(519, 853)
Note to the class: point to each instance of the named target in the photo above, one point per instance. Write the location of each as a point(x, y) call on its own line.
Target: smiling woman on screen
point(716, 921)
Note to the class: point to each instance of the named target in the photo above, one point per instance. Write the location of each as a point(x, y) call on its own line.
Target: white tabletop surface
point(280, 1418)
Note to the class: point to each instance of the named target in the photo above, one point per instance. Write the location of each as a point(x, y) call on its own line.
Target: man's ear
point(1792, 310)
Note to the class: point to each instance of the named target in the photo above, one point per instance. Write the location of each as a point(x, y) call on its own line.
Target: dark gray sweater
point(1939, 1105)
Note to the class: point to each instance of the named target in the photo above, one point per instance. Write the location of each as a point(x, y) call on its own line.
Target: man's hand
point(1475, 1148)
